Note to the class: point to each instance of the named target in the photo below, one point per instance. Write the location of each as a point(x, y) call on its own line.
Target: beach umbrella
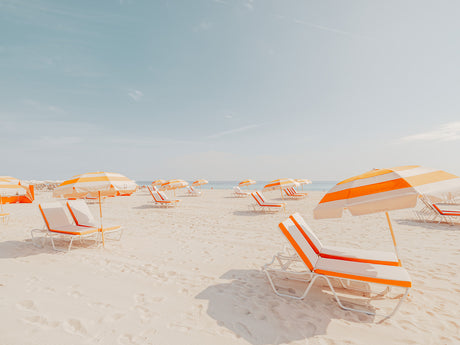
point(199, 182)
point(96, 184)
point(246, 182)
point(302, 181)
point(158, 182)
point(281, 184)
point(10, 187)
point(173, 185)
point(384, 190)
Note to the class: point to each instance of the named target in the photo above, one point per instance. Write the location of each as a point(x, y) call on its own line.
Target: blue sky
point(228, 89)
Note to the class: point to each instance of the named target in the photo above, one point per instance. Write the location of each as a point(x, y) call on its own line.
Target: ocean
point(314, 186)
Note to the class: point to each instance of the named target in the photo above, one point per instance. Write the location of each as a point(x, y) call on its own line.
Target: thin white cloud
point(232, 131)
point(43, 107)
point(229, 116)
point(249, 4)
point(446, 132)
point(136, 95)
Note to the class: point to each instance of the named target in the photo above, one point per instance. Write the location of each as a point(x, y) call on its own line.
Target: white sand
point(191, 275)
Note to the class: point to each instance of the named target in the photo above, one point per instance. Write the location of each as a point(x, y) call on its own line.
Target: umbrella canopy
point(12, 190)
point(158, 182)
point(246, 182)
point(199, 182)
point(281, 184)
point(173, 184)
point(107, 183)
point(302, 181)
point(382, 190)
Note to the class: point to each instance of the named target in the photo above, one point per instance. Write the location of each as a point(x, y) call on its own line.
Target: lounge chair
point(342, 253)
point(443, 212)
point(58, 224)
point(292, 193)
point(344, 271)
point(237, 192)
point(82, 216)
point(161, 199)
point(263, 205)
point(192, 191)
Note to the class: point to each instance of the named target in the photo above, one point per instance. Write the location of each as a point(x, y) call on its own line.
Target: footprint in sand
point(40, 321)
point(27, 305)
point(74, 326)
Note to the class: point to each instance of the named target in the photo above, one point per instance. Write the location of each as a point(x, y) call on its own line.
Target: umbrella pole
point(392, 234)
point(100, 215)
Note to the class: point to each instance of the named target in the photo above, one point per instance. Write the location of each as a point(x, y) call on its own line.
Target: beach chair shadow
point(247, 307)
point(21, 249)
point(432, 225)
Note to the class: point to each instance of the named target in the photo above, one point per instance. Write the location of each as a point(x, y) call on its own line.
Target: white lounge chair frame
point(5, 218)
point(57, 224)
point(160, 199)
point(237, 192)
point(192, 191)
point(309, 275)
point(262, 205)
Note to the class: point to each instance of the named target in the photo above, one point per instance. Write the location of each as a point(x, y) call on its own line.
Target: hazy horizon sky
point(223, 89)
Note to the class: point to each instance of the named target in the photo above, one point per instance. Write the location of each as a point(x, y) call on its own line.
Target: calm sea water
point(315, 185)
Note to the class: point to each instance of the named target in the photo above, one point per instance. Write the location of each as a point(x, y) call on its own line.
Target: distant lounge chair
point(237, 192)
point(82, 216)
point(441, 212)
point(292, 193)
point(161, 199)
point(192, 191)
point(57, 223)
point(314, 266)
point(263, 205)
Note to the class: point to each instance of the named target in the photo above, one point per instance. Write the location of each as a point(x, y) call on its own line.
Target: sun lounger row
point(57, 223)
point(333, 263)
point(440, 212)
point(292, 193)
point(262, 205)
point(160, 199)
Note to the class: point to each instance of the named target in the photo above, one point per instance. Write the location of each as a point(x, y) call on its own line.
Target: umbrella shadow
point(250, 213)
point(248, 308)
point(144, 207)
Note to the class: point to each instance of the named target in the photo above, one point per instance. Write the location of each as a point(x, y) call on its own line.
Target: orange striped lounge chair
point(432, 211)
point(161, 199)
point(262, 205)
point(313, 266)
point(237, 192)
point(192, 191)
point(292, 193)
point(58, 224)
point(82, 216)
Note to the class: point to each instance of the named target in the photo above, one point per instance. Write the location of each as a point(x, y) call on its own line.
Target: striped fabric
point(281, 184)
point(199, 182)
point(10, 186)
point(302, 181)
point(382, 190)
point(173, 184)
point(109, 184)
point(158, 182)
point(246, 182)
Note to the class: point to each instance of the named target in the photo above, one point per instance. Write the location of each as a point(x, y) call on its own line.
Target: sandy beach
point(191, 275)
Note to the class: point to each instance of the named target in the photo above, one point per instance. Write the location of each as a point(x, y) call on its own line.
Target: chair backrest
point(299, 243)
point(237, 189)
point(54, 215)
point(256, 196)
point(163, 196)
point(80, 213)
point(287, 191)
point(306, 231)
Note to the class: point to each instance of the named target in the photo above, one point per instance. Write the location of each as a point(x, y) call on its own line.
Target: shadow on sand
point(430, 225)
point(21, 249)
point(248, 307)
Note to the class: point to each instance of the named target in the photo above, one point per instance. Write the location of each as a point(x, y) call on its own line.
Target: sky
point(228, 89)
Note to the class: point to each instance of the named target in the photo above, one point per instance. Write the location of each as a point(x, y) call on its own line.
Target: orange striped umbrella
point(158, 182)
point(173, 185)
point(302, 181)
point(281, 184)
point(96, 184)
point(383, 190)
point(246, 182)
point(199, 182)
point(10, 186)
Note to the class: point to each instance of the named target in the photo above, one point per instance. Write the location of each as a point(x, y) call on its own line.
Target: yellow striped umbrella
point(246, 182)
point(302, 181)
point(158, 182)
point(199, 182)
point(173, 185)
point(383, 190)
point(96, 184)
point(281, 184)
